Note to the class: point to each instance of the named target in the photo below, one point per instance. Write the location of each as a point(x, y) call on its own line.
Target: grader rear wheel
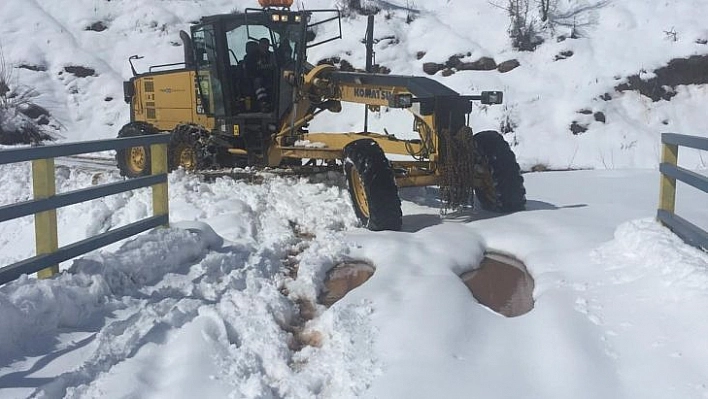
point(500, 186)
point(372, 186)
point(186, 148)
point(135, 161)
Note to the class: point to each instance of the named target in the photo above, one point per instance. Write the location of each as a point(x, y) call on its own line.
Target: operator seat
point(246, 72)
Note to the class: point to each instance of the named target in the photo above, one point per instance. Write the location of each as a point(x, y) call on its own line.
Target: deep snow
point(205, 308)
point(199, 309)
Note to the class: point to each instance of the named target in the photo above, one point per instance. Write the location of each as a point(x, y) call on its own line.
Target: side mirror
point(492, 97)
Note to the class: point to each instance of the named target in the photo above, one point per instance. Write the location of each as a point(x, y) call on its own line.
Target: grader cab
point(245, 95)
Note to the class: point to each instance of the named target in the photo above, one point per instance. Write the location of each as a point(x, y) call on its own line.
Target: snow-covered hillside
point(560, 83)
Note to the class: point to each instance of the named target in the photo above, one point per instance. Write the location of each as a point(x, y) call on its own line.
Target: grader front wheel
point(372, 186)
point(499, 184)
point(134, 161)
point(358, 192)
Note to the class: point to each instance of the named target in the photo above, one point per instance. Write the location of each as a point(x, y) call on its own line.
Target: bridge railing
point(45, 201)
point(670, 172)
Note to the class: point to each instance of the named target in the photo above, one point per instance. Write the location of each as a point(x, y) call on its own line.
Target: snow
point(199, 308)
point(208, 307)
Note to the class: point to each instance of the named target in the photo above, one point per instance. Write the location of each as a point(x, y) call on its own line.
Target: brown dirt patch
point(502, 284)
point(343, 278)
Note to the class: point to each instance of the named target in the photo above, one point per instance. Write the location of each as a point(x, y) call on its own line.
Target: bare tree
point(576, 18)
point(523, 28)
point(544, 7)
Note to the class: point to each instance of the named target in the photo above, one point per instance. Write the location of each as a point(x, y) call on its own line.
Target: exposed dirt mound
point(344, 278)
point(679, 71)
point(503, 284)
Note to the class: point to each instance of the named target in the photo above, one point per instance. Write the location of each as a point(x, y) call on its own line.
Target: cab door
point(210, 88)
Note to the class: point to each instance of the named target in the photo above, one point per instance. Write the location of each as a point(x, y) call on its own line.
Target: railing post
point(45, 223)
point(160, 197)
point(667, 188)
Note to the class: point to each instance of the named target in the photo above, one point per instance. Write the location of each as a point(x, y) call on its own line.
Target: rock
point(419, 55)
point(33, 111)
point(80, 71)
point(448, 72)
point(563, 55)
point(36, 68)
point(340, 63)
point(382, 69)
point(43, 120)
point(346, 66)
point(454, 61)
point(507, 66)
point(482, 64)
point(431, 68)
point(577, 128)
point(539, 167)
point(600, 117)
point(98, 26)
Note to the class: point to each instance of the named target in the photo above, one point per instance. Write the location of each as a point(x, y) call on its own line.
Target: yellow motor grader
point(245, 94)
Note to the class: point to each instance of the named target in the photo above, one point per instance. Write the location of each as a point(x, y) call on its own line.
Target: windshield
point(280, 43)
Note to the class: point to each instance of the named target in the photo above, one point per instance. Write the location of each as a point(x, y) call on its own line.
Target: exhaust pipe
point(369, 41)
point(189, 61)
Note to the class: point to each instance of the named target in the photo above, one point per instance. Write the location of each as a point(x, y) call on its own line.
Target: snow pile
point(210, 297)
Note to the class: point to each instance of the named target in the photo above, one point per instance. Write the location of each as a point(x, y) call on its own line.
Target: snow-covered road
point(207, 308)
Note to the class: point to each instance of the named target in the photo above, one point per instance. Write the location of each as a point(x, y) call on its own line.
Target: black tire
point(501, 186)
point(186, 148)
point(135, 161)
point(372, 186)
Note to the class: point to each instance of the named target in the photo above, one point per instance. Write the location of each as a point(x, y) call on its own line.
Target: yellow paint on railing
point(45, 223)
point(160, 197)
point(667, 188)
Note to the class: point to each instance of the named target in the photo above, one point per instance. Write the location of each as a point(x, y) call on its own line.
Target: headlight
point(275, 17)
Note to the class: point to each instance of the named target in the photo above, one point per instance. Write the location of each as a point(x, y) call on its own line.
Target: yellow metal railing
point(670, 173)
point(46, 201)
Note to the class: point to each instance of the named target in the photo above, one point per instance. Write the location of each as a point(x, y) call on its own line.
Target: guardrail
point(670, 172)
point(45, 201)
